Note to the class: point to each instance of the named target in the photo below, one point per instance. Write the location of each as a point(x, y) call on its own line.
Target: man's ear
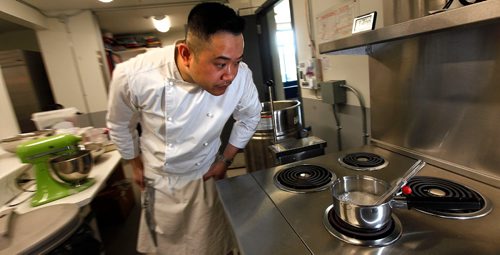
point(184, 53)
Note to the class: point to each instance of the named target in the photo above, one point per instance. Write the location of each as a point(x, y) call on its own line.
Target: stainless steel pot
point(287, 116)
point(354, 198)
point(356, 202)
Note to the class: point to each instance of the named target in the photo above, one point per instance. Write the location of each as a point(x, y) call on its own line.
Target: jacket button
point(205, 144)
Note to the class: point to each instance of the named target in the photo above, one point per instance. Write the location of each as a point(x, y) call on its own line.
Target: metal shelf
point(484, 12)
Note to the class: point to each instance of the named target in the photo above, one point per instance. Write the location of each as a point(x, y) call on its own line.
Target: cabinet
point(114, 203)
point(27, 85)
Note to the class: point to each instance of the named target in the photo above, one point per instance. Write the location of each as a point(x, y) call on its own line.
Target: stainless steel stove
point(429, 100)
point(270, 219)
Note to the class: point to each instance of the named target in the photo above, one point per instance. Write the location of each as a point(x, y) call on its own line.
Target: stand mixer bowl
point(73, 168)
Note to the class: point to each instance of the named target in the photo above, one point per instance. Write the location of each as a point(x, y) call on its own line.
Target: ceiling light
point(161, 23)
point(106, 1)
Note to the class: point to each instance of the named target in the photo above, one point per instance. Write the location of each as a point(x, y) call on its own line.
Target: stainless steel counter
point(268, 220)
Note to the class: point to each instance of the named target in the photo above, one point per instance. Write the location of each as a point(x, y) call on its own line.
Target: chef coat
point(181, 122)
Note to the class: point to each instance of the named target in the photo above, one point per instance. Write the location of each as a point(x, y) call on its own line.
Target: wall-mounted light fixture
point(161, 23)
point(106, 1)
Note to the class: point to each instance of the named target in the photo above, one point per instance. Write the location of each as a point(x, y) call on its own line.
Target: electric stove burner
point(363, 161)
point(423, 186)
point(304, 178)
point(383, 236)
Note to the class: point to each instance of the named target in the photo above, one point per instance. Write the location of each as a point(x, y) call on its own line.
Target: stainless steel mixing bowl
point(73, 168)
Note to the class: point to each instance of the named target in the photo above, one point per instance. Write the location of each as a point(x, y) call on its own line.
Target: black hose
point(448, 4)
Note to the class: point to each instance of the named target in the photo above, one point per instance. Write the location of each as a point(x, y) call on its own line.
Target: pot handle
point(400, 182)
point(437, 203)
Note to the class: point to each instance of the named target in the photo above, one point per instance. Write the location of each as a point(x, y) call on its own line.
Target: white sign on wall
point(336, 21)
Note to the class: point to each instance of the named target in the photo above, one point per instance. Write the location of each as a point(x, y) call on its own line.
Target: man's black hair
point(208, 18)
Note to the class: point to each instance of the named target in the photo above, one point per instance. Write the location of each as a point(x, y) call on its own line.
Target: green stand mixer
point(61, 154)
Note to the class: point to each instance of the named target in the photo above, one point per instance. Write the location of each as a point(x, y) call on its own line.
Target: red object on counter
point(406, 190)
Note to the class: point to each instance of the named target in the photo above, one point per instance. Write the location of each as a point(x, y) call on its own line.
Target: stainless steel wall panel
point(438, 95)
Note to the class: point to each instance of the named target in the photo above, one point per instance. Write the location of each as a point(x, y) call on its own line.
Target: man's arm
point(221, 163)
point(138, 171)
point(122, 119)
point(123, 116)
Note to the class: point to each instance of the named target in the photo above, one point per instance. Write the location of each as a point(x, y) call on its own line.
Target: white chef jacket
point(181, 122)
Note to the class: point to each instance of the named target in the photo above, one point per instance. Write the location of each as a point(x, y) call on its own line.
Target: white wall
point(72, 48)
point(9, 125)
point(73, 55)
point(353, 69)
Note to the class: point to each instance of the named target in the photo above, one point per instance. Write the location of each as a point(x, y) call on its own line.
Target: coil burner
point(304, 178)
point(363, 161)
point(424, 186)
point(382, 236)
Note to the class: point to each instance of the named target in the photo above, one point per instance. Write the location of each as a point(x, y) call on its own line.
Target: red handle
point(406, 190)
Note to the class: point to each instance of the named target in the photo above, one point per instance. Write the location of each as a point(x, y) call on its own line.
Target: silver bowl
point(10, 144)
point(74, 168)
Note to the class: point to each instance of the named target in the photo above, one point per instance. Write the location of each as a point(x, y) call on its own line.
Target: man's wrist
point(224, 160)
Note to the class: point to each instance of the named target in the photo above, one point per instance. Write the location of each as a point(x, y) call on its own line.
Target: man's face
point(216, 64)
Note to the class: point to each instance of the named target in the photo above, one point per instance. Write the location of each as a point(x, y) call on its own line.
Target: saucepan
point(361, 201)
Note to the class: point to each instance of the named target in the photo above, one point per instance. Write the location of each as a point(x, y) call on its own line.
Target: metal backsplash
point(437, 96)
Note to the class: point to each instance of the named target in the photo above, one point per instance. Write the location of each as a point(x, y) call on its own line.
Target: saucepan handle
point(436, 203)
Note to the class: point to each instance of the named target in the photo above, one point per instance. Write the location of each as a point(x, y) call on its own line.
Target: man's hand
point(138, 171)
point(219, 167)
point(217, 171)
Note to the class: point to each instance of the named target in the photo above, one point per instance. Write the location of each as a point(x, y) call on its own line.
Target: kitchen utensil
point(5, 217)
point(10, 144)
point(270, 84)
point(355, 201)
point(39, 152)
point(148, 205)
point(73, 168)
point(400, 182)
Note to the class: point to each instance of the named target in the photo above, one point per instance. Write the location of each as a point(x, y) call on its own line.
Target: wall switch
point(332, 92)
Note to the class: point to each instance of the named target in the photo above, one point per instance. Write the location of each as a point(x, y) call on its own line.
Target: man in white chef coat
point(182, 95)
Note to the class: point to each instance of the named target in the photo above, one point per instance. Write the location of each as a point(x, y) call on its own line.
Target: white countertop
point(100, 173)
point(9, 163)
